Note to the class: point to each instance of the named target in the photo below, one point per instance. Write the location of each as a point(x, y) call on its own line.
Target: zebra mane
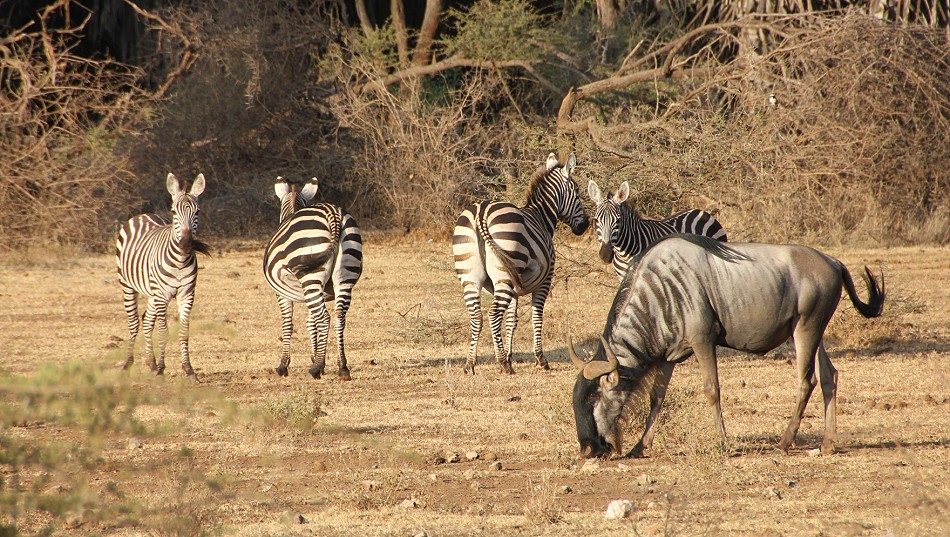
point(537, 178)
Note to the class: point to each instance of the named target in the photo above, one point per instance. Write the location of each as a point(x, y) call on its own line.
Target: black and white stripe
point(509, 251)
point(315, 255)
point(156, 258)
point(623, 234)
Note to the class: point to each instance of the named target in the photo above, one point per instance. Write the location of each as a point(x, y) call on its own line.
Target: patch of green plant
point(298, 411)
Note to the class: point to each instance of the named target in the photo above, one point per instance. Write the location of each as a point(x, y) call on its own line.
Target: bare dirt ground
point(238, 453)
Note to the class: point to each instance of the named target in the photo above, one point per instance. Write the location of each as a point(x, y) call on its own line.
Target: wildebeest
point(688, 294)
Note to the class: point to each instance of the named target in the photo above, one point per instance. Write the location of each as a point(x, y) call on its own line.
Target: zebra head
point(290, 198)
point(597, 404)
point(569, 208)
point(607, 217)
point(185, 209)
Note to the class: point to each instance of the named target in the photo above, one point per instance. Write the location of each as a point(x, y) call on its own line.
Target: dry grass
point(246, 452)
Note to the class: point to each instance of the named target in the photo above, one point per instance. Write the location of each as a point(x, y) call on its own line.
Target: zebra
point(156, 258)
point(623, 234)
point(316, 254)
point(509, 251)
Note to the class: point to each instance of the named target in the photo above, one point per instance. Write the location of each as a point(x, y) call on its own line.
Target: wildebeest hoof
point(281, 370)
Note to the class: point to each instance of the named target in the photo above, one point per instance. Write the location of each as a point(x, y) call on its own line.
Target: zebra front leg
point(496, 318)
point(342, 306)
point(318, 325)
point(537, 320)
point(148, 327)
point(185, 301)
point(474, 305)
point(130, 303)
point(511, 322)
point(286, 331)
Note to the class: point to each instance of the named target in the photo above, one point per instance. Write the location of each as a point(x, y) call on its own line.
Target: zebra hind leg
point(318, 324)
point(286, 331)
point(473, 304)
point(496, 318)
point(342, 306)
point(537, 320)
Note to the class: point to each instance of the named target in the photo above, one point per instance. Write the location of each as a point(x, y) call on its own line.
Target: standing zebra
point(509, 251)
point(316, 254)
point(623, 234)
point(156, 257)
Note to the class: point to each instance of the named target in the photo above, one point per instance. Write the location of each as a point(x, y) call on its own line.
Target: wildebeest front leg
point(660, 384)
point(706, 355)
point(805, 349)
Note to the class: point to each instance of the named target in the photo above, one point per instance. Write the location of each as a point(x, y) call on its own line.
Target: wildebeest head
point(607, 217)
point(597, 404)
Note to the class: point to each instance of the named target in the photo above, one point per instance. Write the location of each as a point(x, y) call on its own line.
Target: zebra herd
point(316, 255)
point(683, 292)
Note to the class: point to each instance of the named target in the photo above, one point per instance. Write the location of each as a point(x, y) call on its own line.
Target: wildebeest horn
point(593, 370)
point(574, 357)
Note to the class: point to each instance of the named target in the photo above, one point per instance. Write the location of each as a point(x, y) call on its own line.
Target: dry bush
point(853, 153)
point(62, 181)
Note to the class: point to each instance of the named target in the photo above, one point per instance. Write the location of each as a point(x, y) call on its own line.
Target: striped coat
point(316, 254)
point(509, 251)
point(156, 258)
point(623, 234)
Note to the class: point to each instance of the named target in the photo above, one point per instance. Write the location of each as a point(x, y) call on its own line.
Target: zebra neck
point(180, 253)
point(541, 213)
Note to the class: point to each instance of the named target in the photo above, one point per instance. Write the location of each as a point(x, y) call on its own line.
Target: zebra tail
point(502, 254)
point(875, 303)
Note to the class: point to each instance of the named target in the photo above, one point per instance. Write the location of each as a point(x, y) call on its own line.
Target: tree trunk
point(363, 15)
point(402, 34)
point(606, 14)
point(430, 25)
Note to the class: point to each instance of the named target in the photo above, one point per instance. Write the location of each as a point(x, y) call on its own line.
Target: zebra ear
point(281, 187)
point(309, 190)
point(594, 192)
point(551, 162)
point(171, 183)
point(198, 186)
point(569, 167)
point(623, 192)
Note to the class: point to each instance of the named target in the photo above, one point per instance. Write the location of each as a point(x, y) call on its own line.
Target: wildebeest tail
point(875, 303)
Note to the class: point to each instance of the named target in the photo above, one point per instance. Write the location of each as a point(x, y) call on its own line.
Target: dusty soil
point(237, 453)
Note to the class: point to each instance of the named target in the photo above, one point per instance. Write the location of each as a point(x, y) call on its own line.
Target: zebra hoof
point(281, 370)
point(468, 369)
point(506, 369)
point(127, 364)
point(543, 365)
point(315, 372)
point(344, 375)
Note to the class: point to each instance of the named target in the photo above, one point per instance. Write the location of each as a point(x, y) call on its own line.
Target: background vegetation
point(406, 116)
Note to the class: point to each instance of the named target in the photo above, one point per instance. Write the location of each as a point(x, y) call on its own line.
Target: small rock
point(409, 503)
point(233, 274)
point(320, 466)
point(813, 452)
point(495, 466)
point(471, 456)
point(514, 398)
point(422, 533)
point(490, 456)
point(267, 488)
point(436, 459)
point(135, 443)
point(566, 490)
point(469, 474)
point(644, 480)
point(791, 483)
point(433, 477)
point(452, 457)
point(621, 467)
point(590, 466)
point(772, 493)
point(293, 518)
point(619, 509)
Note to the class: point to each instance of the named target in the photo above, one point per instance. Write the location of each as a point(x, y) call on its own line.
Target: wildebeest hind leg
point(806, 346)
point(828, 376)
point(660, 383)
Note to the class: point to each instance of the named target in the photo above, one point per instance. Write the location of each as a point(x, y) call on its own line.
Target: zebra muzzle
point(606, 253)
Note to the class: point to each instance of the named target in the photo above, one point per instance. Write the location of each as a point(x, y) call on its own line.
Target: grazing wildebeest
point(686, 295)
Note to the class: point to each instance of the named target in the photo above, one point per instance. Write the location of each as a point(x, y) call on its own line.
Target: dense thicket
point(405, 120)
